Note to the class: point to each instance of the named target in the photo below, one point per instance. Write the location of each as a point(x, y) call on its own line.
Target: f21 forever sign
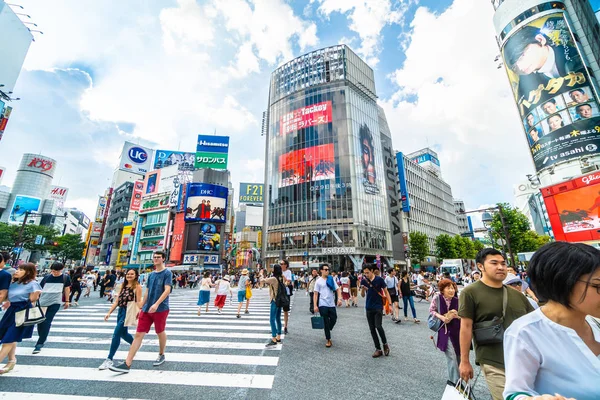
point(553, 91)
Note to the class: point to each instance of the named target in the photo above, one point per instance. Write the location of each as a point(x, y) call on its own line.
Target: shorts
point(241, 296)
point(159, 319)
point(354, 291)
point(220, 300)
point(394, 299)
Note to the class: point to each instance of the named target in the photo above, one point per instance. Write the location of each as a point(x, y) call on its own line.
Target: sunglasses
point(325, 269)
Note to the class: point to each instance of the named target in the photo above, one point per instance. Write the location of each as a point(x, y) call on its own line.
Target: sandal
point(417, 321)
point(8, 367)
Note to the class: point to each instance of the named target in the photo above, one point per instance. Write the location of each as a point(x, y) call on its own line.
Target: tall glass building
point(327, 193)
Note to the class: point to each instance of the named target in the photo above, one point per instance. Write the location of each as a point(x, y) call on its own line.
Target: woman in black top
point(130, 291)
point(76, 285)
point(407, 297)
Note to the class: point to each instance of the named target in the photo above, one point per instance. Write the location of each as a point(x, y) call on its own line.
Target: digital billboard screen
point(314, 163)
point(368, 161)
point(206, 202)
point(21, 206)
point(552, 88)
point(305, 117)
point(579, 210)
point(166, 158)
point(209, 238)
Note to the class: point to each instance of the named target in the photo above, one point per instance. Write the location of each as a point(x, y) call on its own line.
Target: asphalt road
point(221, 357)
point(414, 370)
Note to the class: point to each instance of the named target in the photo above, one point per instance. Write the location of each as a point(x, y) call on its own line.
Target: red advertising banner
point(136, 196)
point(306, 117)
point(177, 238)
point(307, 165)
point(574, 208)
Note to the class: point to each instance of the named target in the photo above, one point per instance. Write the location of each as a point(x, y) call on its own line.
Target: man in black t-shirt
point(56, 286)
point(375, 288)
point(354, 288)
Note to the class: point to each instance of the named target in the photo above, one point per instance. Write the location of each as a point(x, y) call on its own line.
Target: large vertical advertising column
point(558, 106)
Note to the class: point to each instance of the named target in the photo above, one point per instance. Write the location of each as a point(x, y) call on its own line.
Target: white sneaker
point(106, 364)
point(219, 311)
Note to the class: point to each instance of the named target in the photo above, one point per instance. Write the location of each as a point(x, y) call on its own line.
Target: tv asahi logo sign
point(590, 178)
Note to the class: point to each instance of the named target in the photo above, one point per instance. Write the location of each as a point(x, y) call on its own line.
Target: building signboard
point(206, 202)
point(252, 193)
point(135, 158)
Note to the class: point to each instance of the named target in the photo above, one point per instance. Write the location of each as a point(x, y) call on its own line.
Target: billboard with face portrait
point(311, 164)
point(206, 203)
point(165, 158)
point(553, 91)
point(367, 152)
point(203, 237)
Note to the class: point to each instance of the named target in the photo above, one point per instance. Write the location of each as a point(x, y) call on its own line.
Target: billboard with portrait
point(21, 206)
point(574, 208)
point(183, 160)
point(206, 202)
point(209, 238)
point(151, 183)
point(367, 154)
point(305, 117)
point(311, 164)
point(552, 88)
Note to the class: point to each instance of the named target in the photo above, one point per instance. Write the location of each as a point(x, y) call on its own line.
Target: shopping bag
point(460, 391)
point(317, 322)
point(248, 293)
point(30, 316)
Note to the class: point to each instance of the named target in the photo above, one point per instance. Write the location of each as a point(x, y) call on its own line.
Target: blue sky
point(159, 72)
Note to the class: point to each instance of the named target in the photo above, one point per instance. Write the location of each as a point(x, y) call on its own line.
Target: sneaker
point(271, 343)
point(278, 340)
point(386, 350)
point(106, 365)
point(159, 361)
point(37, 349)
point(219, 311)
point(122, 368)
point(285, 331)
point(246, 312)
point(398, 321)
point(238, 316)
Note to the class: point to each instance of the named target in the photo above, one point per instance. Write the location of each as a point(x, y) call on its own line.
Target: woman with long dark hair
point(130, 291)
point(76, 285)
point(23, 291)
point(407, 296)
point(275, 282)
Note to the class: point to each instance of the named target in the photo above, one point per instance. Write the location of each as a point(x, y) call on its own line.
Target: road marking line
point(48, 396)
point(263, 327)
point(237, 335)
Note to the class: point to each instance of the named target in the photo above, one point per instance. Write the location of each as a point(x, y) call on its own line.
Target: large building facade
point(551, 53)
point(426, 197)
point(326, 196)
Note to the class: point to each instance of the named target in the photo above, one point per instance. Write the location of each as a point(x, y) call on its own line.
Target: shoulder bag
point(248, 292)
point(133, 311)
point(433, 322)
point(30, 315)
point(491, 332)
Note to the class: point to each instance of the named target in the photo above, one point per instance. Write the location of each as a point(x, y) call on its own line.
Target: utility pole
point(507, 234)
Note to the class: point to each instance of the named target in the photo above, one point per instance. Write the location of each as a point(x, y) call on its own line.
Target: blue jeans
point(275, 319)
point(120, 332)
point(405, 300)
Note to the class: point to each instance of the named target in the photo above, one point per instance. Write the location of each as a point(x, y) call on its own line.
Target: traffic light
point(55, 244)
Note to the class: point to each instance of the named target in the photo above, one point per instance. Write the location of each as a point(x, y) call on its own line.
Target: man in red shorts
point(154, 311)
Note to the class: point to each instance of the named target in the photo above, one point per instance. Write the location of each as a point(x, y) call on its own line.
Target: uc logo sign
point(138, 155)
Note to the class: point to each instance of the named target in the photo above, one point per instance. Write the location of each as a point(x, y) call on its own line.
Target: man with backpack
point(324, 300)
point(279, 299)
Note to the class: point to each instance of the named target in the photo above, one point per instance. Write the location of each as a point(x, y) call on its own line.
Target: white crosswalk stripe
point(208, 356)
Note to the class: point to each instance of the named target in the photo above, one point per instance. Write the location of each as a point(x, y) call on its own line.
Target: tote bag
point(30, 316)
point(248, 293)
point(133, 311)
point(317, 322)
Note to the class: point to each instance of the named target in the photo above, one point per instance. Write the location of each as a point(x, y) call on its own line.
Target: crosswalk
point(208, 356)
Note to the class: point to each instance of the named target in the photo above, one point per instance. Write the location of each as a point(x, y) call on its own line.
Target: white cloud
point(187, 26)
point(463, 105)
point(367, 18)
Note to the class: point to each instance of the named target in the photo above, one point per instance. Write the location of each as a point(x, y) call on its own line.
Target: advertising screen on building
point(135, 158)
point(183, 160)
point(151, 183)
point(307, 165)
point(213, 144)
point(254, 216)
point(136, 195)
point(209, 238)
point(21, 206)
point(305, 117)
point(552, 88)
point(206, 202)
point(251, 193)
point(367, 152)
point(206, 159)
point(574, 208)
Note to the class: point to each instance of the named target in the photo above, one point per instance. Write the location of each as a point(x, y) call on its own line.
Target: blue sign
point(213, 144)
point(402, 178)
point(205, 202)
point(108, 253)
point(138, 155)
point(426, 157)
point(165, 158)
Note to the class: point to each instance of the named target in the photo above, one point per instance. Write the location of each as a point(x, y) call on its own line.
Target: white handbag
point(460, 391)
point(30, 316)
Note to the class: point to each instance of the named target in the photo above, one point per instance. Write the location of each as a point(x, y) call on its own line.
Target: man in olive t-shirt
point(482, 301)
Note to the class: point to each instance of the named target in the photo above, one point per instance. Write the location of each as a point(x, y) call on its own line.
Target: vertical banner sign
point(553, 91)
point(394, 204)
point(212, 152)
point(136, 196)
point(403, 186)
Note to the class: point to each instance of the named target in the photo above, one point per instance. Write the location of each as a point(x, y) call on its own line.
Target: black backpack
point(281, 299)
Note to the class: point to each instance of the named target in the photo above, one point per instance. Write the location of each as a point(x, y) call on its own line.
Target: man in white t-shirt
point(393, 288)
point(423, 283)
point(287, 278)
point(324, 298)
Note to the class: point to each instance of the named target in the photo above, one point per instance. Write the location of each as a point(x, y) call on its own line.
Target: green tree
point(31, 232)
point(68, 247)
point(517, 225)
point(445, 247)
point(470, 248)
point(477, 246)
point(8, 236)
point(532, 241)
point(419, 246)
point(461, 246)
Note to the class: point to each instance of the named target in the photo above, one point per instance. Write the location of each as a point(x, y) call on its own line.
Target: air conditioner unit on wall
point(590, 168)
